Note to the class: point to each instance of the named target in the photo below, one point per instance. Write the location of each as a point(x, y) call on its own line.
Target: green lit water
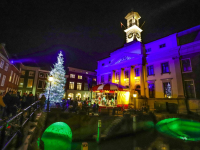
point(180, 128)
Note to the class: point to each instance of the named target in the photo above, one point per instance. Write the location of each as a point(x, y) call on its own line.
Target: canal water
point(147, 140)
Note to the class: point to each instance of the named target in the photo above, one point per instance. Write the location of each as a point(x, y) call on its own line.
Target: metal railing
point(14, 126)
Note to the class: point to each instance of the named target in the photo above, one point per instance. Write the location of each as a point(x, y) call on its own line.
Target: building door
point(151, 90)
point(137, 89)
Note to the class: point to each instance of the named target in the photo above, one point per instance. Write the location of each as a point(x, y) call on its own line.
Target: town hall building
point(154, 71)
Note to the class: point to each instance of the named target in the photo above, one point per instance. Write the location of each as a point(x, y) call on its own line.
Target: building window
point(150, 70)
point(137, 72)
point(165, 67)
point(16, 79)
point(126, 74)
point(41, 75)
point(11, 76)
point(148, 50)
point(6, 67)
point(186, 65)
point(23, 72)
point(79, 77)
point(72, 75)
point(71, 85)
point(40, 83)
point(2, 63)
point(21, 82)
point(30, 83)
point(3, 80)
point(189, 86)
point(94, 79)
point(151, 90)
point(117, 76)
point(79, 86)
point(167, 89)
point(102, 79)
point(109, 78)
point(86, 86)
point(162, 45)
point(31, 73)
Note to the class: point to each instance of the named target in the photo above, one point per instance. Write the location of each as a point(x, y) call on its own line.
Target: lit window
point(3, 80)
point(11, 76)
point(30, 83)
point(189, 86)
point(167, 89)
point(186, 65)
point(162, 45)
point(23, 72)
point(72, 75)
point(31, 73)
point(117, 76)
point(79, 86)
point(150, 70)
point(71, 85)
point(16, 79)
point(79, 77)
point(21, 82)
point(6, 67)
point(102, 79)
point(2, 63)
point(126, 74)
point(137, 72)
point(165, 67)
point(148, 50)
point(94, 79)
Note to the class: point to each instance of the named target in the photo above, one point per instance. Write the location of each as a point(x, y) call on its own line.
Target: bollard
point(84, 146)
point(99, 131)
point(134, 123)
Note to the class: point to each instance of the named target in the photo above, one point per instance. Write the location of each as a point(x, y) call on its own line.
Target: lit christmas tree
point(57, 89)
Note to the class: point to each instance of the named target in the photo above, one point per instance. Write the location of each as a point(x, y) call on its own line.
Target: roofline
point(81, 69)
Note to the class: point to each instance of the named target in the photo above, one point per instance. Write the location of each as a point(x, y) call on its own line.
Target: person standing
point(23, 102)
point(7, 101)
point(3, 105)
point(42, 101)
point(29, 99)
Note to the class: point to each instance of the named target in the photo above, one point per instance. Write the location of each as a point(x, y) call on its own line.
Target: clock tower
point(133, 31)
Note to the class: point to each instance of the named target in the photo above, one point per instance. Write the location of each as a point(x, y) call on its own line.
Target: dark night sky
point(86, 30)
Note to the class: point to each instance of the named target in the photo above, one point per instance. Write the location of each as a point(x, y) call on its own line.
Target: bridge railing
point(13, 127)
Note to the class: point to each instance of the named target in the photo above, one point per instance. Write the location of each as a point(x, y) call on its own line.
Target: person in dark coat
point(23, 102)
point(29, 99)
point(7, 100)
point(42, 101)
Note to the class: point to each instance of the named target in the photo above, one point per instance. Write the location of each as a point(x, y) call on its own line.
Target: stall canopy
point(109, 87)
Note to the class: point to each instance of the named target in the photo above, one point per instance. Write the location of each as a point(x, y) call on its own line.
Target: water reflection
point(149, 140)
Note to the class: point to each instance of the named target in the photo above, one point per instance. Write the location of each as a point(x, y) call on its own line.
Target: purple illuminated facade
point(153, 70)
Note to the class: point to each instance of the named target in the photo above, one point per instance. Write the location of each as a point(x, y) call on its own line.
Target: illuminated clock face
point(130, 35)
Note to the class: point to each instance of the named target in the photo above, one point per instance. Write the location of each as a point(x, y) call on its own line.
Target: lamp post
point(50, 80)
point(134, 98)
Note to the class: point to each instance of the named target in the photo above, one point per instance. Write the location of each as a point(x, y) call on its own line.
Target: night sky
point(85, 30)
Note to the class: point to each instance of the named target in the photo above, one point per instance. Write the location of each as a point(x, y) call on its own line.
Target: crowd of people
point(77, 105)
point(12, 102)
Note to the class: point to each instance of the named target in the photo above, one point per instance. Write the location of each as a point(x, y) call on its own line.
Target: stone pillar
point(121, 77)
point(113, 76)
point(132, 78)
point(141, 80)
point(178, 78)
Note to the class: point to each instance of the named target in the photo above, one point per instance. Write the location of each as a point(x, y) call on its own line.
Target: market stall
point(111, 94)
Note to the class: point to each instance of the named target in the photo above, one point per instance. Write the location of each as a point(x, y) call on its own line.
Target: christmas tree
point(57, 90)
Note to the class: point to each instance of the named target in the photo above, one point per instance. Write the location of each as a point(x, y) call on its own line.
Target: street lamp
point(134, 98)
point(50, 80)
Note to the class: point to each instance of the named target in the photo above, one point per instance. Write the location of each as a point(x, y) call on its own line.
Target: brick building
point(9, 73)
point(79, 83)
